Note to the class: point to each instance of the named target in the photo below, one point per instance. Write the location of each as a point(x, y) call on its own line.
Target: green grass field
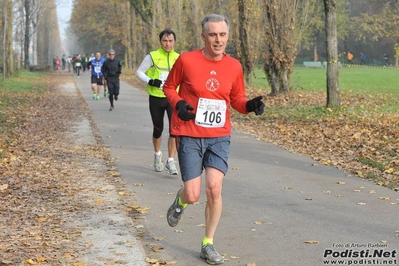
point(360, 136)
point(363, 92)
point(351, 79)
point(24, 81)
point(18, 91)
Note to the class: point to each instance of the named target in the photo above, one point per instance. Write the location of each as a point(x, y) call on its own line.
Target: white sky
point(64, 10)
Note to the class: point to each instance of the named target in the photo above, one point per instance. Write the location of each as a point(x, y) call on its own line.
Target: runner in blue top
point(96, 75)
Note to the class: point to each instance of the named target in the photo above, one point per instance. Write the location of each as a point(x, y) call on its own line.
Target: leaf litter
point(358, 140)
point(50, 184)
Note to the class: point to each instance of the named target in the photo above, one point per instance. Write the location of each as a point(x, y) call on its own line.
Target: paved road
point(274, 201)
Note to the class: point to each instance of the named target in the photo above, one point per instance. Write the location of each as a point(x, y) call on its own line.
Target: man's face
point(215, 38)
point(98, 56)
point(111, 56)
point(167, 42)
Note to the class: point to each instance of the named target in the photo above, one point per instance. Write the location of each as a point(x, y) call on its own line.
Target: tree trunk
point(271, 75)
point(34, 49)
point(27, 33)
point(125, 10)
point(4, 24)
point(11, 65)
point(195, 28)
point(244, 55)
point(284, 79)
point(133, 40)
point(7, 39)
point(281, 47)
point(333, 93)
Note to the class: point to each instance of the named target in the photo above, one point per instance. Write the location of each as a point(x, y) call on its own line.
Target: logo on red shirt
point(212, 84)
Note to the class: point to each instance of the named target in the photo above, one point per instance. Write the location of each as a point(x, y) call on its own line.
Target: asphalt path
point(279, 208)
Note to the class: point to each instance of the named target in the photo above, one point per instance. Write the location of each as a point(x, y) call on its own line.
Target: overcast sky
point(64, 10)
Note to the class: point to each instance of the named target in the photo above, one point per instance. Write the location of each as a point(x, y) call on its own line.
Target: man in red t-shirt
point(210, 82)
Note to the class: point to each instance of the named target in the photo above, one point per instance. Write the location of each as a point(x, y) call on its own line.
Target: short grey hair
point(111, 51)
point(213, 18)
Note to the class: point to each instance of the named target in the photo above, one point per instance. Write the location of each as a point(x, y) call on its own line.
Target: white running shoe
point(171, 167)
point(158, 165)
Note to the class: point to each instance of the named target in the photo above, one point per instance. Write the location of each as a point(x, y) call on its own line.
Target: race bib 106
point(210, 113)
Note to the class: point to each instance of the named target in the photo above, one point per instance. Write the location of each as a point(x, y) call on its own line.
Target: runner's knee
point(157, 133)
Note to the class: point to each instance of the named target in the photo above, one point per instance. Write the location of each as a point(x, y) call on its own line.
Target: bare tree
point(7, 52)
point(333, 93)
point(285, 23)
point(33, 13)
point(3, 22)
point(46, 41)
point(26, 5)
point(244, 50)
point(144, 10)
point(128, 36)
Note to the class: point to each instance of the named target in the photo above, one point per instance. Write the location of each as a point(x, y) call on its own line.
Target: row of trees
point(29, 34)
point(257, 27)
point(274, 31)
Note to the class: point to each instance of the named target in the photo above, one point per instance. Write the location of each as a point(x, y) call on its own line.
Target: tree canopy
point(284, 32)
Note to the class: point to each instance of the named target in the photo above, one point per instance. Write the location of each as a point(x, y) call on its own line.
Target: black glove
point(155, 82)
point(183, 111)
point(256, 105)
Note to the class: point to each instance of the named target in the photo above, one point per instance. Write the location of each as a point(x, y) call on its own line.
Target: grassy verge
point(17, 96)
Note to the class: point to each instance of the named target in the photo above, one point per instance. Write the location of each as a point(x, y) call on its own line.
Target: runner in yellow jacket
point(154, 70)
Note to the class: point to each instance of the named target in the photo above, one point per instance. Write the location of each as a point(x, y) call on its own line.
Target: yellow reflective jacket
point(162, 63)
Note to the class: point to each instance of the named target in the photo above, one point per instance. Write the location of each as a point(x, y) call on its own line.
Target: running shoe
point(171, 167)
point(98, 97)
point(175, 212)
point(116, 97)
point(94, 96)
point(158, 165)
point(105, 93)
point(111, 108)
point(209, 253)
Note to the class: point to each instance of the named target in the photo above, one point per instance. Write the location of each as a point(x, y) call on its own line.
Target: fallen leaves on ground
point(358, 140)
point(48, 183)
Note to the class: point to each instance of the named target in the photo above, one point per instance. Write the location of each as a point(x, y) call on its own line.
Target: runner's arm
point(144, 66)
point(173, 81)
point(104, 69)
point(119, 71)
